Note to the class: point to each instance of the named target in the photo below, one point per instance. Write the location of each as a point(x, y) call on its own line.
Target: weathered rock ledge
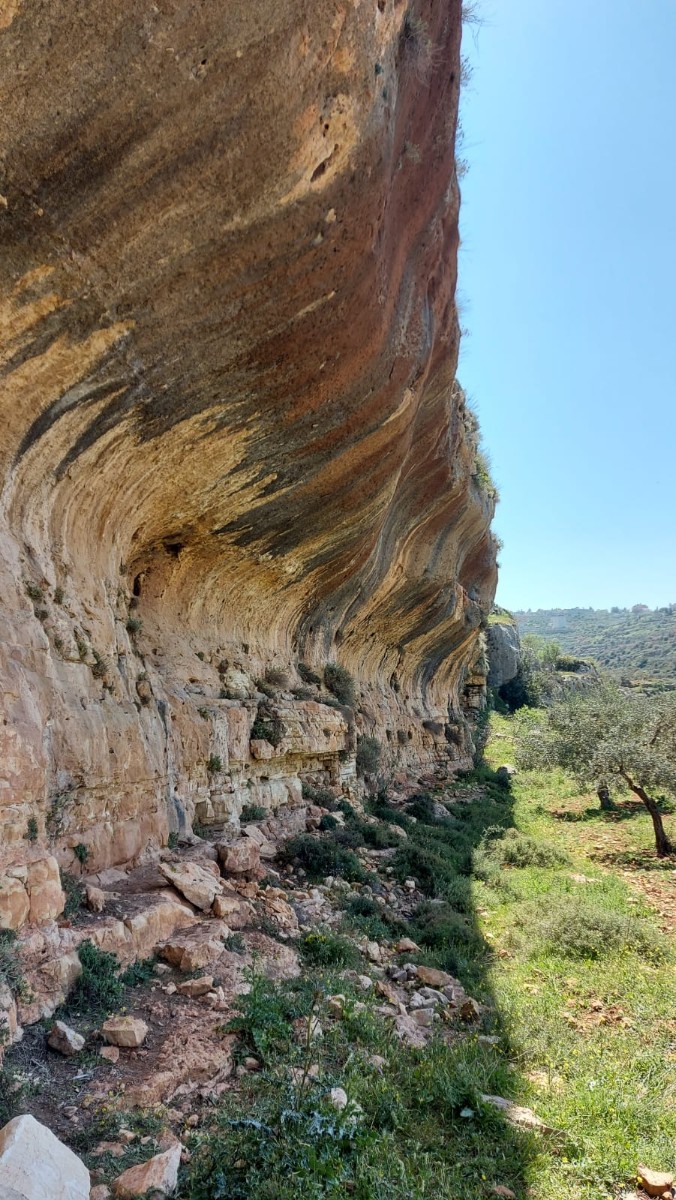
point(232, 437)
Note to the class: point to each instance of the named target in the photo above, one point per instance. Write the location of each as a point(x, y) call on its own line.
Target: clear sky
point(568, 291)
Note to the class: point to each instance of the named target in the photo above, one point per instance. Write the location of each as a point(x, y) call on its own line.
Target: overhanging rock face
point(231, 435)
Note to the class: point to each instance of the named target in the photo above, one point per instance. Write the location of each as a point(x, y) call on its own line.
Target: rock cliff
point(233, 441)
point(503, 646)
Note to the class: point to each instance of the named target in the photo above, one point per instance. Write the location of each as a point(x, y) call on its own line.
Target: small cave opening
point(174, 548)
point(136, 587)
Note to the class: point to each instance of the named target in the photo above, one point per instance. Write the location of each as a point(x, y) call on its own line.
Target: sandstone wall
point(232, 436)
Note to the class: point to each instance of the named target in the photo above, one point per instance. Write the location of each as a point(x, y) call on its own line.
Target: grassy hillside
point(639, 645)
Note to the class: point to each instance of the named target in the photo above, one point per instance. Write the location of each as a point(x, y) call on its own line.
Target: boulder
point(241, 857)
point(197, 947)
point(198, 885)
point(196, 987)
point(96, 898)
point(503, 645)
point(125, 1031)
point(655, 1183)
point(407, 946)
point(236, 912)
point(434, 978)
point(14, 903)
point(110, 1053)
point(35, 1165)
point(158, 1174)
point(517, 1114)
point(64, 1039)
point(338, 1098)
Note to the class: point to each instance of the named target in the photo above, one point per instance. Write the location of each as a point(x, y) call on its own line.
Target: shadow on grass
point(636, 860)
point(626, 811)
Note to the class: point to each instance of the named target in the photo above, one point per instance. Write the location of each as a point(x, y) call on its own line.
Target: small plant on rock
point(276, 677)
point(271, 731)
point(81, 853)
point(253, 812)
point(32, 830)
point(35, 593)
point(308, 675)
point(368, 755)
point(214, 764)
point(340, 682)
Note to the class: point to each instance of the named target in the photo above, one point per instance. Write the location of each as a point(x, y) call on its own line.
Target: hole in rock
point(136, 589)
point(319, 171)
point(381, 5)
point(173, 548)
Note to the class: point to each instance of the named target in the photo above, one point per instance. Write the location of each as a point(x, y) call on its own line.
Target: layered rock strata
point(233, 442)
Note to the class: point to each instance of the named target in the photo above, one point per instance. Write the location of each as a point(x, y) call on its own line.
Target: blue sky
point(567, 288)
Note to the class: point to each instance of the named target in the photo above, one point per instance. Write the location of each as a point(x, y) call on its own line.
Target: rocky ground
point(312, 1002)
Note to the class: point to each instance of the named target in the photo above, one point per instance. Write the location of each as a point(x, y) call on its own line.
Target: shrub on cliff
point(368, 755)
point(339, 681)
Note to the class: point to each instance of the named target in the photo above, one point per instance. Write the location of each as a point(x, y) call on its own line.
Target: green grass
point(584, 993)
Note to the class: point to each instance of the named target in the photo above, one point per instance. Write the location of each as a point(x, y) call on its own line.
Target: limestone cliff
point(232, 439)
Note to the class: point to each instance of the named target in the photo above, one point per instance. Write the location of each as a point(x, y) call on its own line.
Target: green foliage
point(264, 1016)
point(253, 812)
point(10, 967)
point(638, 645)
point(276, 677)
point(271, 731)
point(308, 675)
point(340, 682)
point(439, 927)
point(82, 647)
point(35, 593)
point(214, 764)
point(81, 853)
point(481, 474)
point(235, 943)
point(328, 822)
point(323, 856)
point(134, 625)
point(368, 917)
point(324, 948)
point(323, 797)
point(99, 666)
point(99, 988)
point(172, 840)
point(369, 752)
point(510, 848)
point(140, 973)
point(578, 927)
point(32, 830)
point(58, 595)
point(203, 712)
point(75, 896)
point(266, 688)
point(13, 1091)
point(608, 734)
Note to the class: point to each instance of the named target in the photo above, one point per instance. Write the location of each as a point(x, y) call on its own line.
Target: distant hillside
point(637, 643)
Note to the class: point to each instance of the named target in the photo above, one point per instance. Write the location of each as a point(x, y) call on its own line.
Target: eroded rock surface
point(232, 439)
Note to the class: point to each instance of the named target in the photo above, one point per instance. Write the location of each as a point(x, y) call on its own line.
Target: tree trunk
point(662, 844)
point(604, 798)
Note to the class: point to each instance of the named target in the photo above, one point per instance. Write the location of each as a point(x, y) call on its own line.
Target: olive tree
point(609, 735)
